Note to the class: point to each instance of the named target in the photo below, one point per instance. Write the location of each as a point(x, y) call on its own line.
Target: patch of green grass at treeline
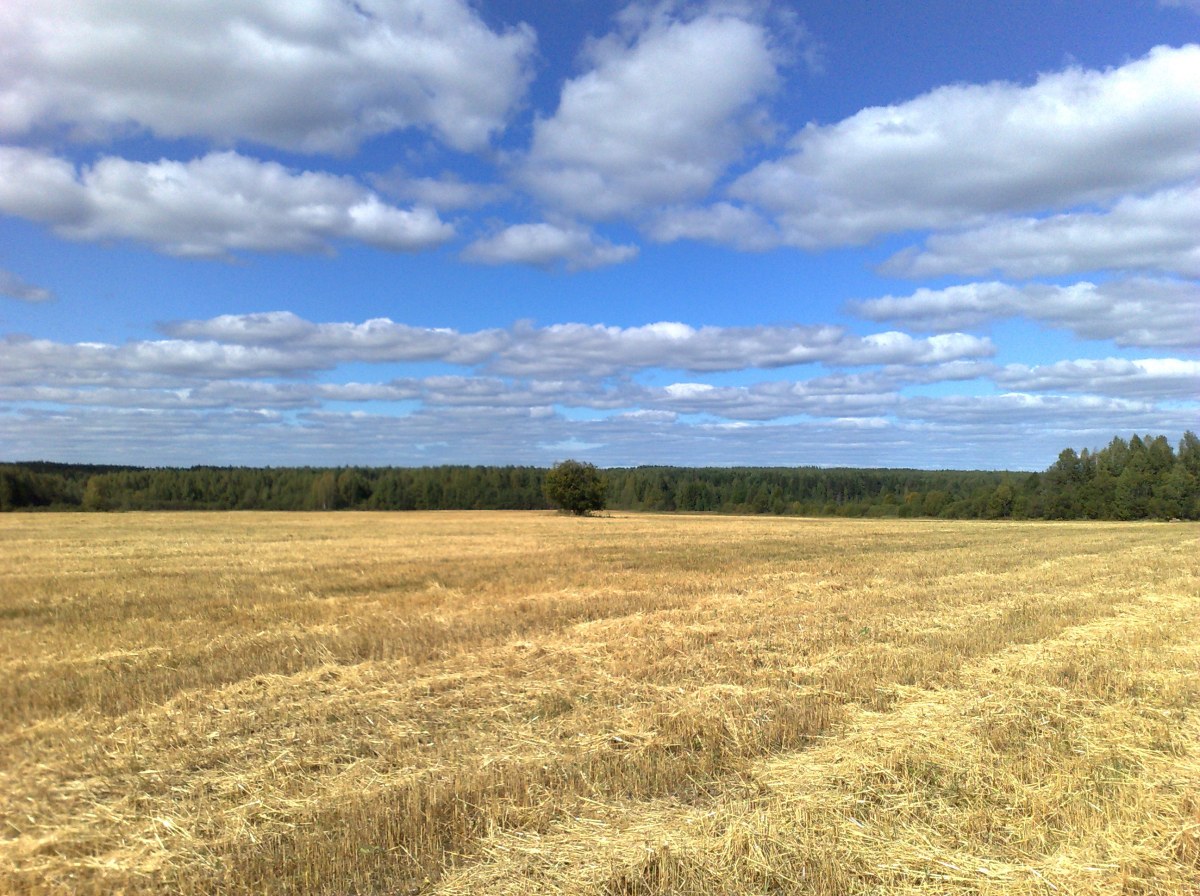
point(1139, 478)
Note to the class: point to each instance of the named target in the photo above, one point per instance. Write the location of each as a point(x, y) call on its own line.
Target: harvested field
point(523, 703)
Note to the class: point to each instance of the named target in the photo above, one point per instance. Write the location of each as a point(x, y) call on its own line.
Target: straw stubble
point(525, 703)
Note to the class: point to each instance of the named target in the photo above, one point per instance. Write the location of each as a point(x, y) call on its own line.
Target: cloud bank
point(1137, 312)
point(1068, 202)
point(208, 207)
point(967, 152)
point(260, 70)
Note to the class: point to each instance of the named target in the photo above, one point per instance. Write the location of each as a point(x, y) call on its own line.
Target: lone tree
point(575, 487)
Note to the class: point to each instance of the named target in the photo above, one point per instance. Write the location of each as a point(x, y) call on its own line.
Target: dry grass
point(633, 705)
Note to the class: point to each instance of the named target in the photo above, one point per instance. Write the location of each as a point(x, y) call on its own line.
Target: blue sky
point(413, 232)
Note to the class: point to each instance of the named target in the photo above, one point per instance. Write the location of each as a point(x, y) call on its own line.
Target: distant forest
point(1139, 478)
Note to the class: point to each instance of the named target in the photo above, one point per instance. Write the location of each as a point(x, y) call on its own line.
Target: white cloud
point(446, 193)
point(832, 397)
point(104, 377)
point(209, 396)
point(219, 203)
point(1017, 431)
point(491, 392)
point(657, 118)
point(26, 361)
point(41, 188)
point(862, 396)
point(280, 344)
point(131, 391)
point(1145, 378)
point(689, 390)
point(377, 340)
point(1150, 233)
point(1102, 415)
point(722, 223)
point(236, 376)
point(260, 70)
point(942, 372)
point(900, 348)
point(1141, 312)
point(598, 350)
point(961, 154)
point(545, 245)
point(16, 288)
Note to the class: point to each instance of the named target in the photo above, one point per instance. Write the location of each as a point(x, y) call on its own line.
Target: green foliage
point(575, 487)
point(1142, 478)
point(1139, 479)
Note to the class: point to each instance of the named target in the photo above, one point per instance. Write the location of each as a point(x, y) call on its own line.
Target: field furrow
point(511, 703)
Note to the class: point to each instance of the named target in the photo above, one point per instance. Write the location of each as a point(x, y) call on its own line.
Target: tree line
point(1143, 477)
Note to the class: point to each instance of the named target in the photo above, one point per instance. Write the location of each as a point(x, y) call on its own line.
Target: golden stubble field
point(522, 703)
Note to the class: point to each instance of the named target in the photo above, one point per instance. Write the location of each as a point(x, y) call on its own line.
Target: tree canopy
point(1141, 477)
point(576, 487)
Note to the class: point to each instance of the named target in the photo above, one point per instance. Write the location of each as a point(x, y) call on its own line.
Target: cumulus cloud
point(15, 287)
point(722, 222)
point(658, 117)
point(835, 396)
point(900, 348)
point(251, 395)
point(41, 188)
point(960, 154)
point(492, 392)
point(602, 350)
point(248, 380)
point(1063, 413)
point(281, 344)
point(446, 193)
point(1141, 312)
point(220, 203)
point(546, 245)
point(376, 340)
point(1159, 232)
point(25, 361)
point(1145, 378)
point(838, 395)
point(951, 432)
point(132, 391)
point(169, 436)
point(260, 70)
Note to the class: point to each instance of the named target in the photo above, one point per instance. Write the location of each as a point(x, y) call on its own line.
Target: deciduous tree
point(575, 487)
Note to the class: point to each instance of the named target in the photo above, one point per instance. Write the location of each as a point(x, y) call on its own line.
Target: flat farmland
point(524, 703)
